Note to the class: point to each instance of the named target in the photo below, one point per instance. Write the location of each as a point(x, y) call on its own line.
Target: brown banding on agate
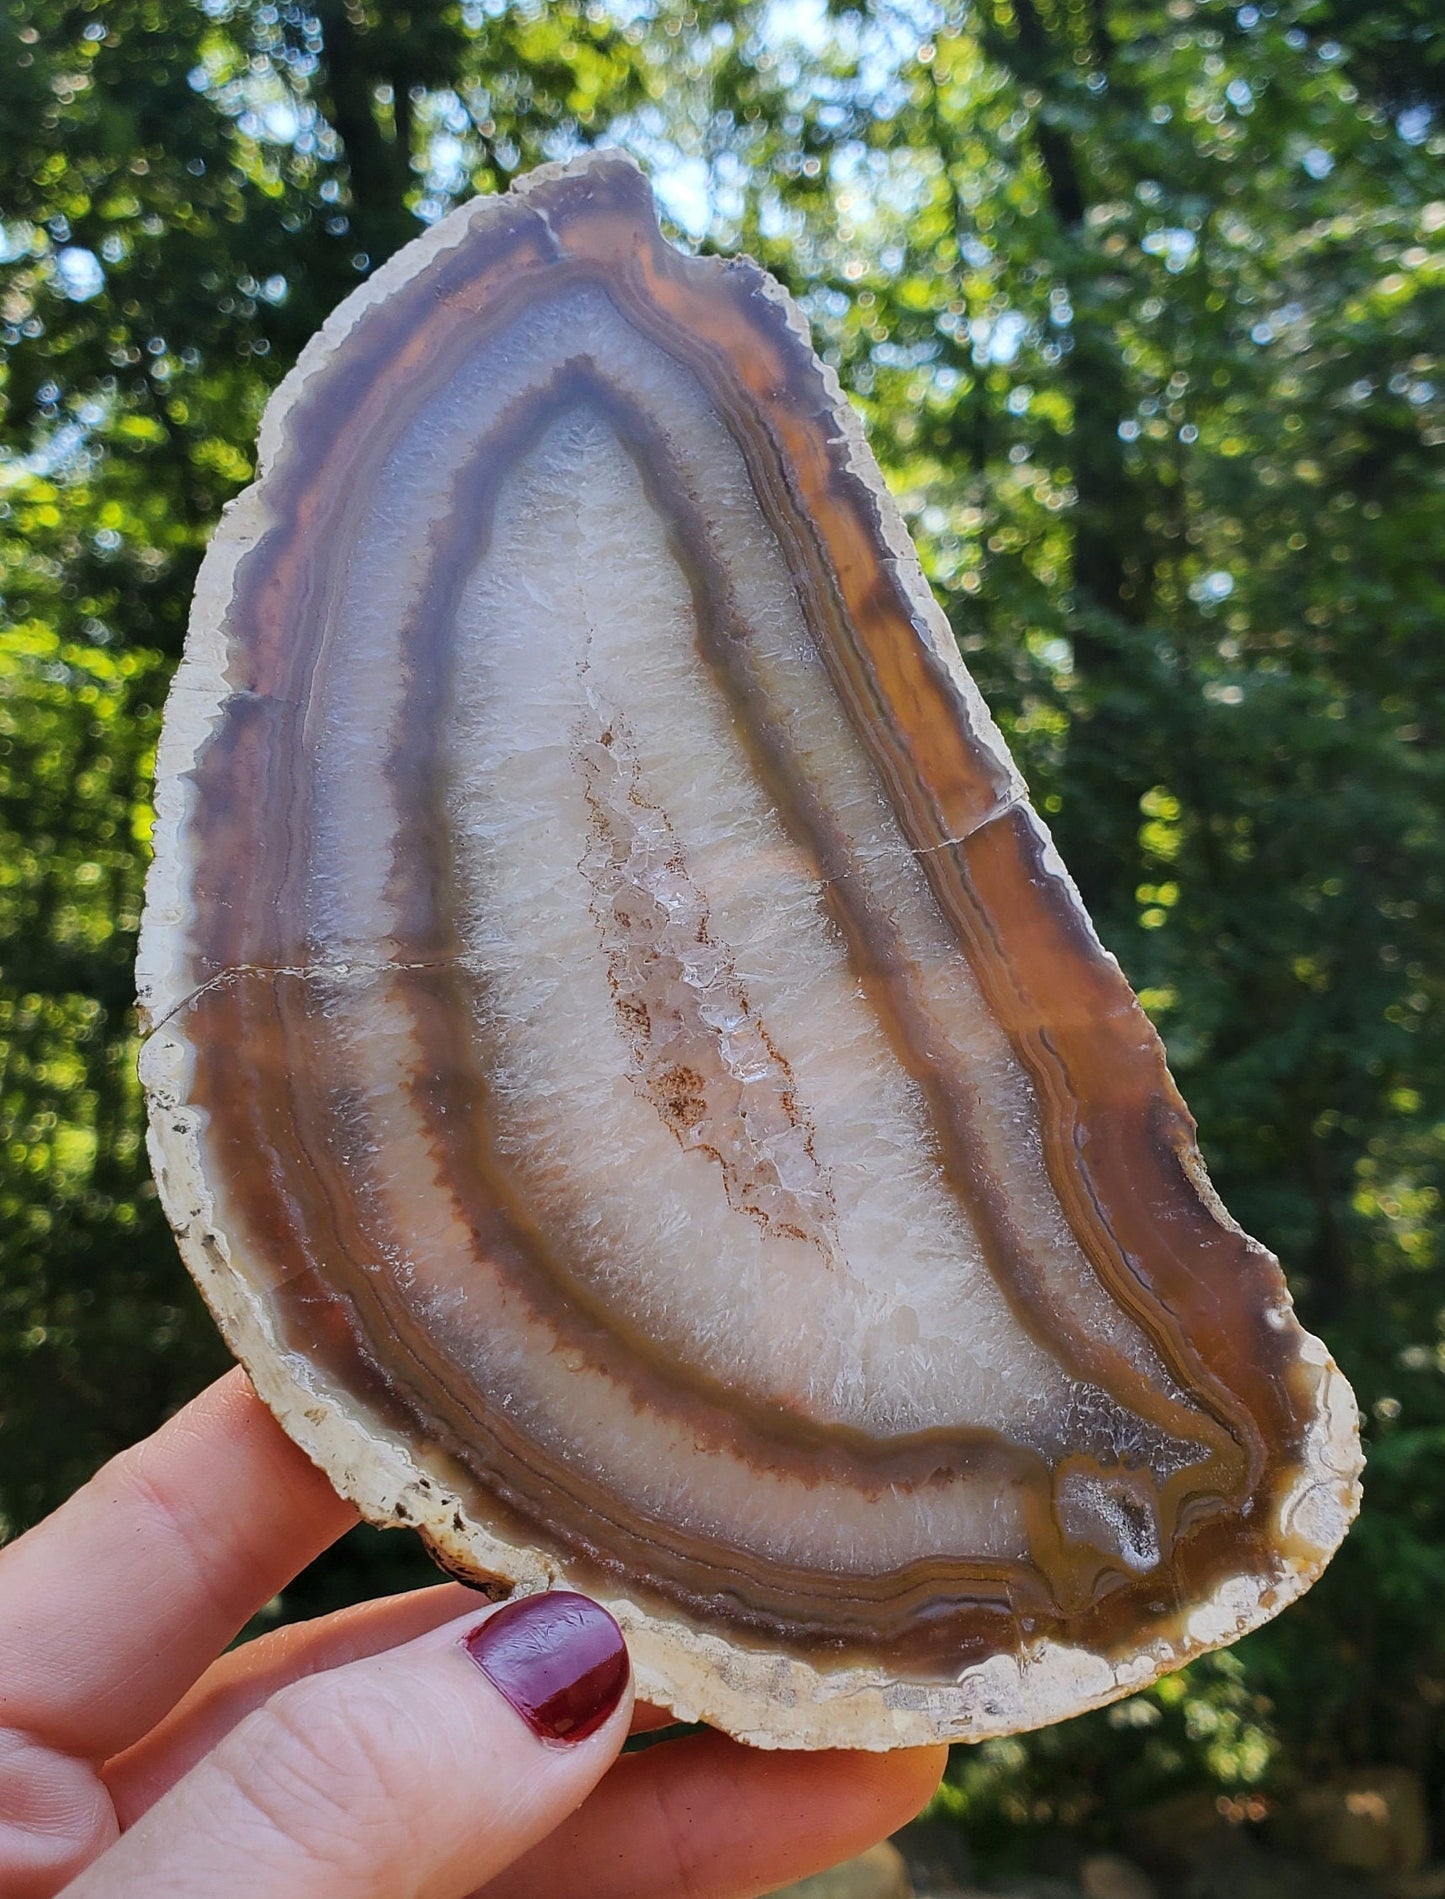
point(627, 1068)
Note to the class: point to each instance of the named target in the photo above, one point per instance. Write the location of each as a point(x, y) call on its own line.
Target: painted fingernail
point(558, 1658)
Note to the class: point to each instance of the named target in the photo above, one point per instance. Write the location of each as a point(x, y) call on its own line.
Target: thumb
point(421, 1772)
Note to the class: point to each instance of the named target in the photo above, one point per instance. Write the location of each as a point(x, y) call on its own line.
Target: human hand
point(378, 1753)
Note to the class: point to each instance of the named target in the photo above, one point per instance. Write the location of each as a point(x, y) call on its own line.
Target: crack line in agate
point(1000, 810)
point(322, 967)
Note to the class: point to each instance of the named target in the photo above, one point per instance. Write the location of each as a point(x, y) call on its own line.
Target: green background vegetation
point(1143, 303)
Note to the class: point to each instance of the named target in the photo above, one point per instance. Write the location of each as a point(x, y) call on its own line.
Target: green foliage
point(96, 1337)
point(1090, 1777)
point(185, 192)
point(1143, 303)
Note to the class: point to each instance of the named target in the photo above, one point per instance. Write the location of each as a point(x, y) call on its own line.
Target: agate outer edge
point(766, 1698)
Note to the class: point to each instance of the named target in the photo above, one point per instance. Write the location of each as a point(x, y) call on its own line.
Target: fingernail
point(558, 1658)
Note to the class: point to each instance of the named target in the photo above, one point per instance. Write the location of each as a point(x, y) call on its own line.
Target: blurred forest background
point(1144, 304)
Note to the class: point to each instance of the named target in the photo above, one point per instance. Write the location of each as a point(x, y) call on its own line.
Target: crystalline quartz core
point(627, 1067)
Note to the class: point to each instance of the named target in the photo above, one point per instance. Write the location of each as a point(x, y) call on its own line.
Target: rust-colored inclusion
point(365, 1135)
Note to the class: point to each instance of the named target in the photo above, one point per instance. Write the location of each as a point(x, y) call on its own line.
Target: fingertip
point(559, 1660)
point(873, 1794)
point(906, 1780)
point(235, 1406)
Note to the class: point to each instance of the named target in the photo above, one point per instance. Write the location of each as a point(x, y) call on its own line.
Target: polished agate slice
point(627, 1066)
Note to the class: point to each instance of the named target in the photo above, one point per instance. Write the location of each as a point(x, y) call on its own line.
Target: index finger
point(111, 1608)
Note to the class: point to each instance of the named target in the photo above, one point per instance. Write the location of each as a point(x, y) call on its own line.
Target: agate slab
point(627, 1067)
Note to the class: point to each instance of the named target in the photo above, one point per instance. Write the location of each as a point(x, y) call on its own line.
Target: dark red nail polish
point(558, 1658)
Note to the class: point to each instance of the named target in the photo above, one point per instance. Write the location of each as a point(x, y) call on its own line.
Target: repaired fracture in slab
point(631, 1075)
